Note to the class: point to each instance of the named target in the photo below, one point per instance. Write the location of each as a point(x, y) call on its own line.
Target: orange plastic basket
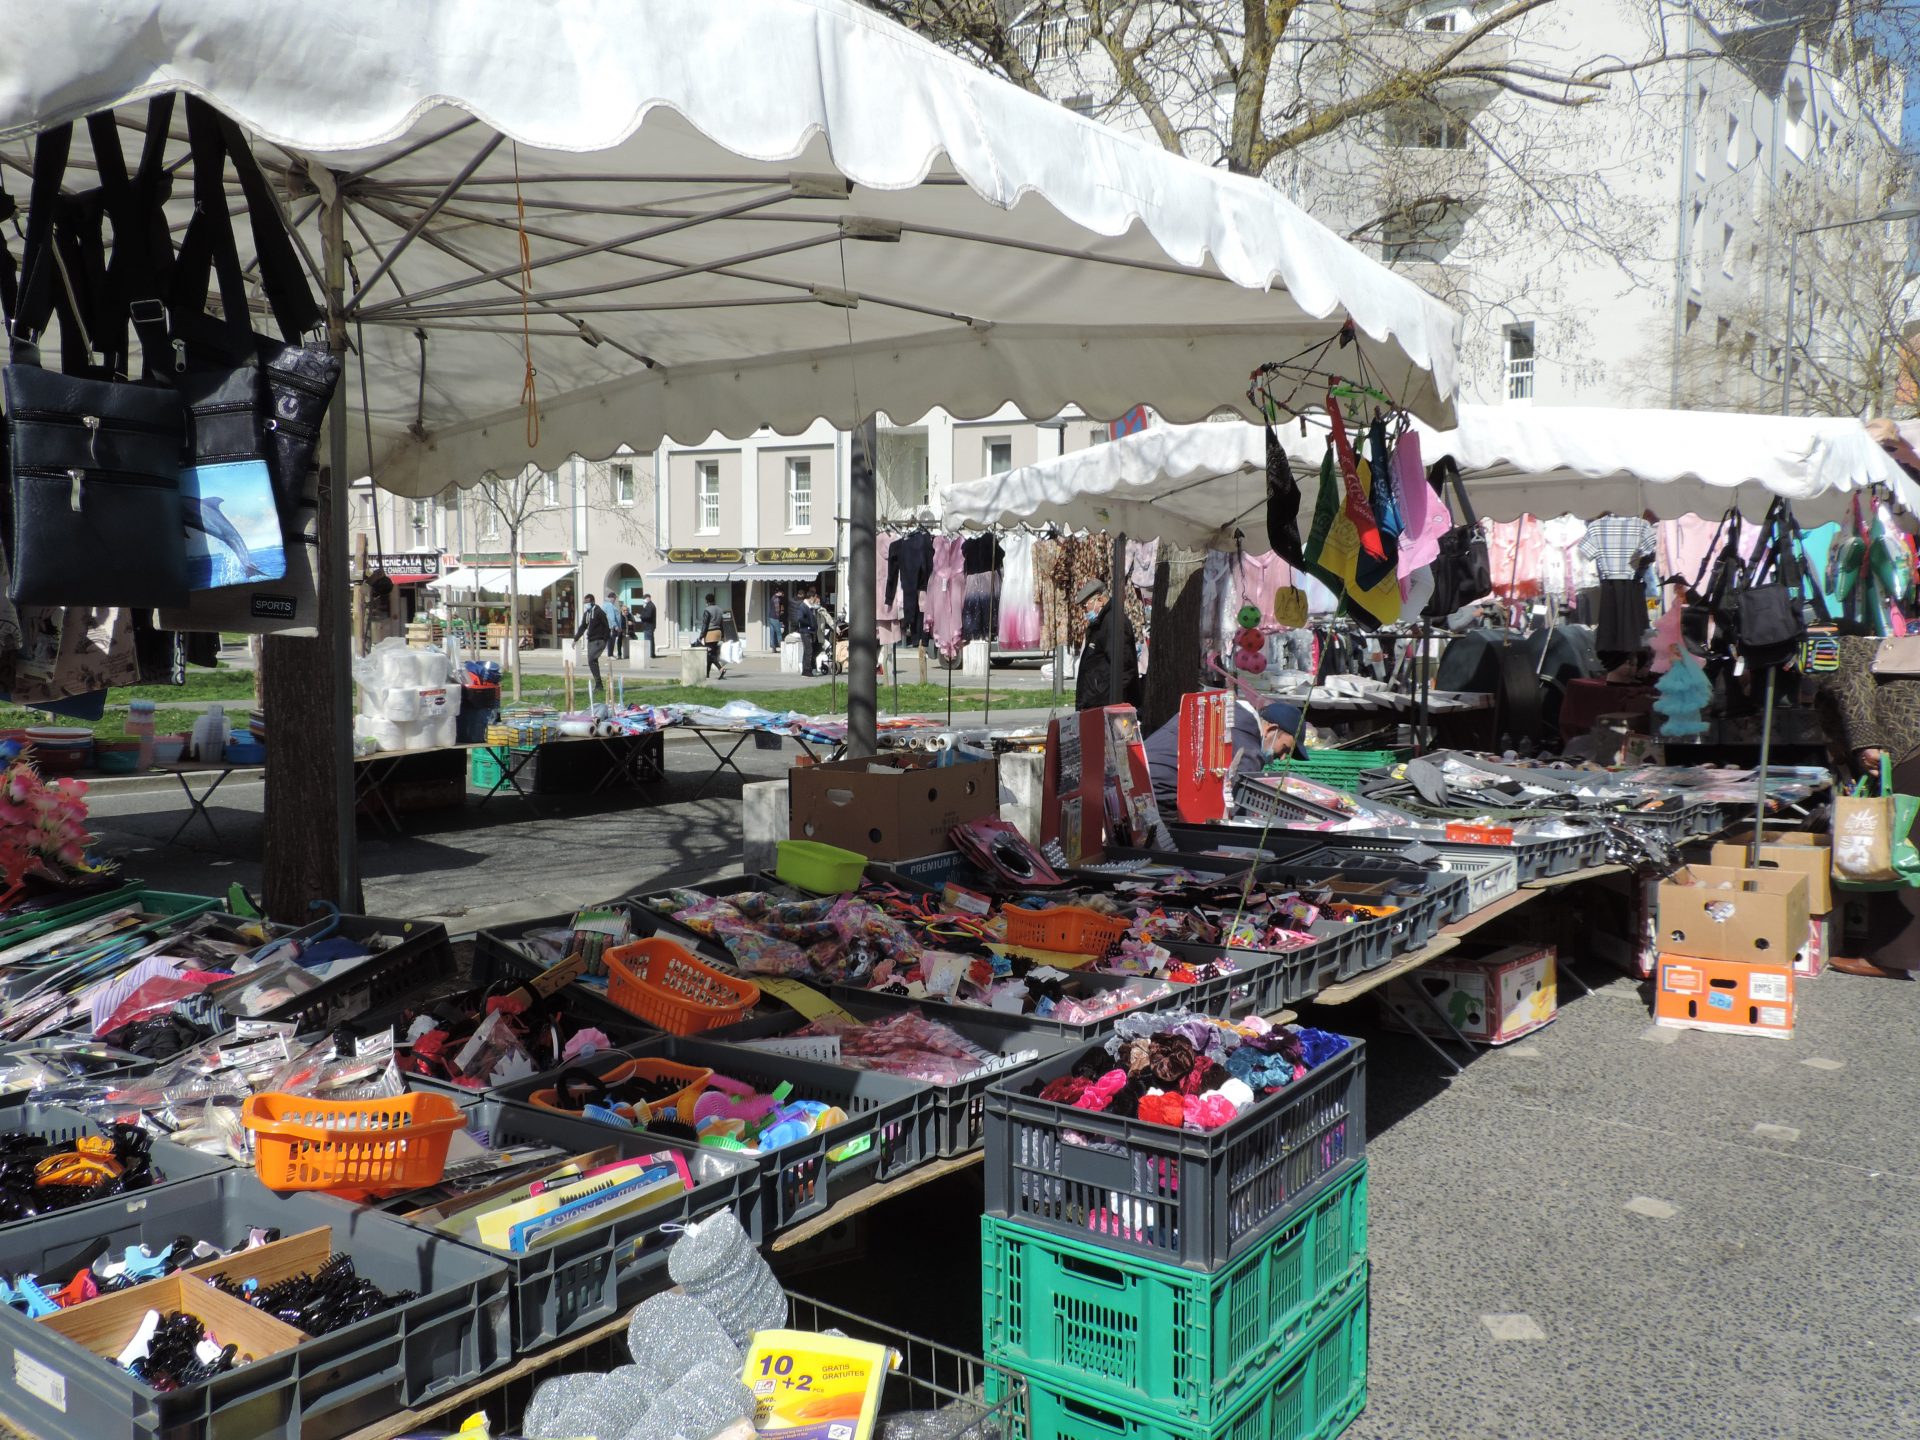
point(1064, 927)
point(661, 982)
point(680, 1103)
point(300, 1143)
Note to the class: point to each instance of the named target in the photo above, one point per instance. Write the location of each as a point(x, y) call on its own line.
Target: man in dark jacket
point(1094, 687)
point(598, 634)
point(646, 615)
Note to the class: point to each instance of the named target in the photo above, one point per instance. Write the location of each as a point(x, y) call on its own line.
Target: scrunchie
point(1163, 1108)
point(1210, 1111)
point(1067, 1090)
point(1099, 1095)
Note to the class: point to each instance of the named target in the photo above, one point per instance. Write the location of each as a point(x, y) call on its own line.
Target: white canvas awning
point(492, 579)
point(1191, 483)
point(739, 214)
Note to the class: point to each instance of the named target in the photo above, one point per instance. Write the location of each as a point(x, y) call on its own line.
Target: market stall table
point(637, 764)
point(219, 770)
point(762, 739)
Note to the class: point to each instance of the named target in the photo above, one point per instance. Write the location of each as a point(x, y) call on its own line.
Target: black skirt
point(1623, 617)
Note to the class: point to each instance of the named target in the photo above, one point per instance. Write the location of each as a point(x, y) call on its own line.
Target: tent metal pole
point(1116, 617)
point(333, 568)
point(863, 650)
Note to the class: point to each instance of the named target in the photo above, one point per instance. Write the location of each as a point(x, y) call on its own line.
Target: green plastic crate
point(1312, 1393)
point(1337, 769)
point(154, 902)
point(1158, 1337)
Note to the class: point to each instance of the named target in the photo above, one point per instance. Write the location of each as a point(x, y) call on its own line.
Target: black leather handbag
point(92, 465)
point(1461, 574)
point(296, 380)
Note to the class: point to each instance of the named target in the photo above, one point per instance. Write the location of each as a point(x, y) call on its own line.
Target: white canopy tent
point(1191, 483)
point(494, 579)
point(692, 217)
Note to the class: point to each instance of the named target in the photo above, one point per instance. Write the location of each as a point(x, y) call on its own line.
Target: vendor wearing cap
point(1093, 687)
point(1259, 734)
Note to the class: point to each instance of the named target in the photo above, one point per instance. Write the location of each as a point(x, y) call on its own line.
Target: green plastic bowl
point(821, 869)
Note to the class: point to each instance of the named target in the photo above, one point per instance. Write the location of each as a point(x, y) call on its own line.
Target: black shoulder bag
point(92, 465)
point(1769, 616)
point(1461, 574)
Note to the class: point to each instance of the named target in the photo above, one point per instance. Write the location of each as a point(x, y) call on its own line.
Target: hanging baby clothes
point(1422, 513)
point(946, 593)
point(1563, 573)
point(1617, 545)
point(1260, 576)
point(1686, 547)
point(1047, 592)
point(886, 611)
point(1019, 606)
point(976, 615)
point(909, 565)
point(1142, 555)
point(1081, 558)
point(1219, 599)
point(1514, 551)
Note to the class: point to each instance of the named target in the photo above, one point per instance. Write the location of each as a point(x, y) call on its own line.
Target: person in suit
point(646, 616)
point(598, 634)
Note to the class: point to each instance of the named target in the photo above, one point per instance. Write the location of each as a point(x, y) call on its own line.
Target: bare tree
point(1854, 289)
point(513, 502)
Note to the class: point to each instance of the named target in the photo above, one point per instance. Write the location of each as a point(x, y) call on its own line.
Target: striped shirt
point(1617, 543)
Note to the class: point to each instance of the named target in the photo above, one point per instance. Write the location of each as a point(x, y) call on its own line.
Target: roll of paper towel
point(403, 704)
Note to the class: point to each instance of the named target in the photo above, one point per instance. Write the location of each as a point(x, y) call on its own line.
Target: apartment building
point(741, 520)
point(1632, 251)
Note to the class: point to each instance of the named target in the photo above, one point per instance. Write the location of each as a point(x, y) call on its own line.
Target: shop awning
point(401, 577)
point(534, 580)
point(1196, 483)
point(783, 572)
point(692, 570)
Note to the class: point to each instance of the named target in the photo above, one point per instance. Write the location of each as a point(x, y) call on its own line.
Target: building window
point(799, 496)
point(420, 512)
point(1733, 142)
point(1425, 232)
point(550, 486)
point(1426, 127)
point(1692, 314)
point(706, 495)
point(1799, 132)
point(1697, 250)
point(363, 511)
point(1080, 104)
point(1726, 250)
point(999, 455)
point(489, 521)
point(621, 477)
point(1700, 136)
point(1519, 347)
point(1722, 331)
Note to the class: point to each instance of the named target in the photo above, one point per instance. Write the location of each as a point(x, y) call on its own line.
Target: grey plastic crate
point(173, 1164)
point(1284, 977)
point(459, 1329)
point(1195, 1199)
point(889, 1123)
point(578, 1281)
point(957, 1107)
point(422, 952)
point(1209, 995)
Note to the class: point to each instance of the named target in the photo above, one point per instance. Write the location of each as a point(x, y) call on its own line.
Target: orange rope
point(529, 385)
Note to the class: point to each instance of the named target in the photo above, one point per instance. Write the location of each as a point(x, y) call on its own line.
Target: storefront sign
point(793, 557)
point(408, 562)
point(707, 557)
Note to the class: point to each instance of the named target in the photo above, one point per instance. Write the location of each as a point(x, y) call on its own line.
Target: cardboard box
point(1795, 851)
point(1754, 916)
point(1725, 995)
point(1818, 951)
point(894, 807)
point(1492, 999)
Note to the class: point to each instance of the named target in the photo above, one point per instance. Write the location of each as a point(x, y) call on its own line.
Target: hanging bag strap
point(209, 251)
point(33, 307)
point(134, 287)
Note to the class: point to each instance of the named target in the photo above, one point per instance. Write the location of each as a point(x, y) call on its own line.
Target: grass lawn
point(225, 682)
point(112, 726)
point(814, 700)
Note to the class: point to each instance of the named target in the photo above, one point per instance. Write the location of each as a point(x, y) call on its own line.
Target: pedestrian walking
point(598, 634)
point(711, 634)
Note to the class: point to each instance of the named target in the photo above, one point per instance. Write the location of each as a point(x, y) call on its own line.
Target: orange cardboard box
point(1796, 852)
point(1694, 994)
point(1756, 916)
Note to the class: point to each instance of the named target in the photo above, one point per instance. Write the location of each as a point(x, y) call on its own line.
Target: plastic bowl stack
point(61, 749)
